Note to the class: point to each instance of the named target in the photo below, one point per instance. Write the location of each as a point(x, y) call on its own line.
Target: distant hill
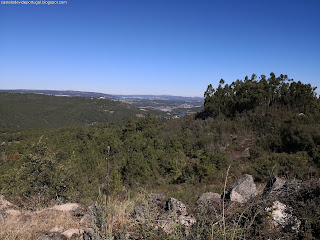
point(65, 93)
point(70, 93)
point(162, 97)
point(162, 105)
point(29, 110)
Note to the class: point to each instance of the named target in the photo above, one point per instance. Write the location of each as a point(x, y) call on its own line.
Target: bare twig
point(108, 171)
point(223, 208)
point(224, 196)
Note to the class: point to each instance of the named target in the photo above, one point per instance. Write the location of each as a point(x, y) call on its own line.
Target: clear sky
point(174, 47)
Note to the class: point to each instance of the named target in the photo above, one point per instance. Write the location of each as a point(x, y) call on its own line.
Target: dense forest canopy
point(262, 95)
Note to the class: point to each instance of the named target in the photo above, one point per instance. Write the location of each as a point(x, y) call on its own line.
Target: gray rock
point(245, 153)
point(208, 199)
point(170, 220)
point(277, 189)
point(177, 207)
point(187, 221)
point(141, 211)
point(51, 236)
point(282, 217)
point(176, 214)
point(150, 209)
point(242, 190)
point(156, 200)
point(80, 211)
point(274, 185)
point(292, 186)
point(165, 218)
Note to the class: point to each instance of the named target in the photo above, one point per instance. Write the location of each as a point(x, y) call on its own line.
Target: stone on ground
point(242, 190)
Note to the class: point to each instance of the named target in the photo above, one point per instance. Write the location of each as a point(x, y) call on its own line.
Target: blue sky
point(174, 47)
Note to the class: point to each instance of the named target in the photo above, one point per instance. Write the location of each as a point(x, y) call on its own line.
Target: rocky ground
point(242, 212)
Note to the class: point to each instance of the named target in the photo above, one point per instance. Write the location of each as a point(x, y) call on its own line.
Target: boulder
point(51, 236)
point(176, 207)
point(152, 208)
point(141, 211)
point(282, 217)
point(242, 190)
point(176, 214)
point(292, 186)
point(168, 222)
point(166, 216)
point(156, 200)
point(187, 221)
point(278, 188)
point(208, 199)
point(274, 185)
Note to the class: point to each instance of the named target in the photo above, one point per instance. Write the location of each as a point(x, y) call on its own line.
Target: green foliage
point(115, 181)
point(277, 119)
point(308, 209)
point(283, 164)
point(44, 111)
point(40, 174)
point(263, 95)
point(282, 114)
point(142, 154)
point(149, 151)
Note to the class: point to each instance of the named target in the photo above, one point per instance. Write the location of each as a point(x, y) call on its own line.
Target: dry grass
point(119, 212)
point(28, 225)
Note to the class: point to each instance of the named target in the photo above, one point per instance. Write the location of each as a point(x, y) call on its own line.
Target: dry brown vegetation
point(28, 225)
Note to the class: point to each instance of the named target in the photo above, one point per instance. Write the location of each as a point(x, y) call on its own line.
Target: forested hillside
point(258, 126)
point(263, 127)
point(27, 110)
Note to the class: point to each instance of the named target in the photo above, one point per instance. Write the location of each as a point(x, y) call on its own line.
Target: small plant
point(101, 221)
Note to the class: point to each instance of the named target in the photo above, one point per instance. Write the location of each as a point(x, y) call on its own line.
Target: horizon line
point(112, 94)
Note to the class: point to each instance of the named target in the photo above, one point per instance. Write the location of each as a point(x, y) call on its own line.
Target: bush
point(284, 165)
point(40, 175)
